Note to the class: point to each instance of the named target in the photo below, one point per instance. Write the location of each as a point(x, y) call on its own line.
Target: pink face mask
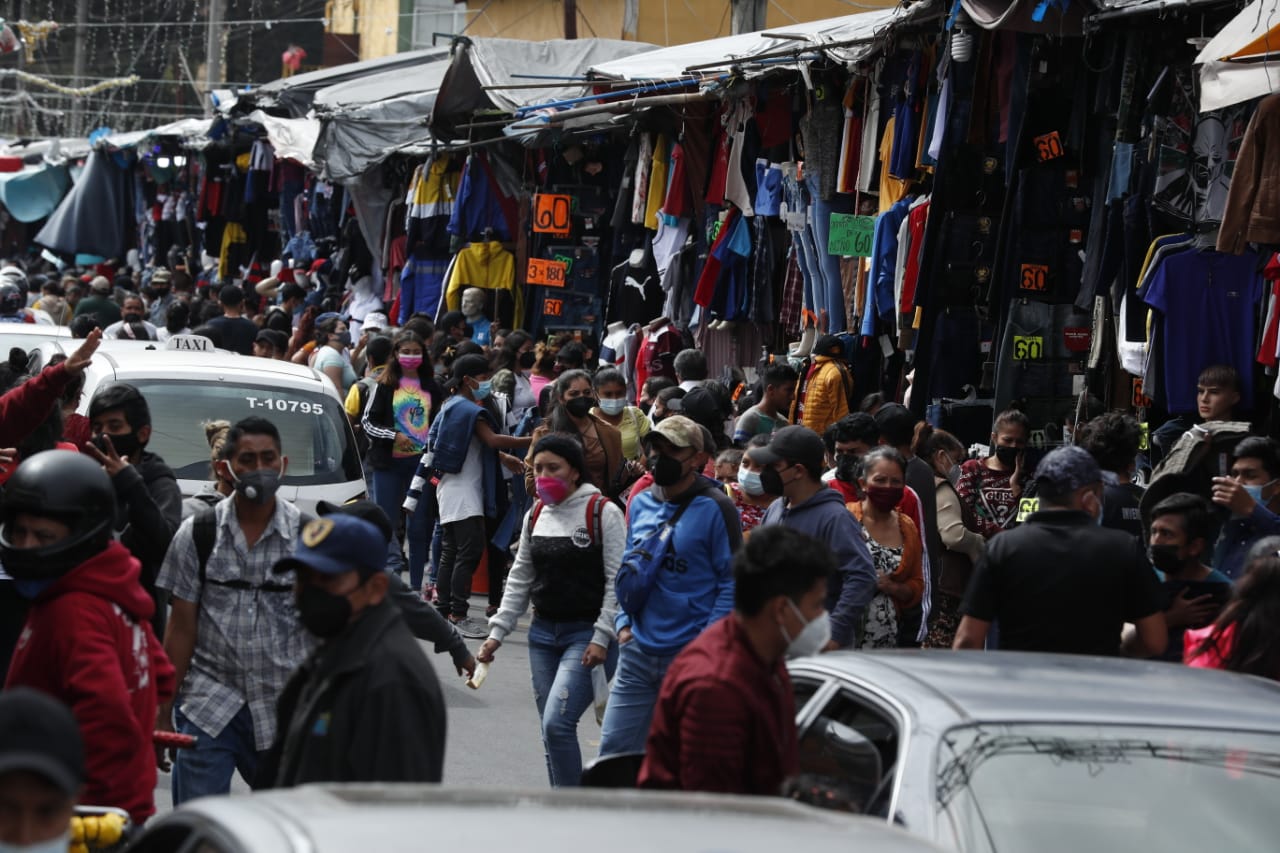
point(409, 362)
point(551, 490)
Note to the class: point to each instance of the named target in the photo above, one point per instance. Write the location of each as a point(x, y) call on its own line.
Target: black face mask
point(323, 613)
point(131, 317)
point(771, 481)
point(1165, 558)
point(666, 470)
point(526, 359)
point(847, 467)
point(259, 486)
point(126, 444)
point(579, 407)
point(1008, 456)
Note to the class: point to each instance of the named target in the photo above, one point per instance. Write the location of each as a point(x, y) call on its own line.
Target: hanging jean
point(802, 238)
point(820, 227)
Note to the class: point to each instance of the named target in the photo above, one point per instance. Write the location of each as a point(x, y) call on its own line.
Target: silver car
point(367, 818)
point(1007, 751)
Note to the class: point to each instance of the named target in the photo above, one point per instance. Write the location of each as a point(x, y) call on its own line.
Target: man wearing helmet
point(87, 640)
point(13, 299)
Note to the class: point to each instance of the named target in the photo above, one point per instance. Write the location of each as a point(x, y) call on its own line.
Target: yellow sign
point(1026, 506)
point(1028, 347)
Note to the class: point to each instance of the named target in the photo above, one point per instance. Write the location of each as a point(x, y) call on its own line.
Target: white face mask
point(814, 637)
point(55, 845)
point(750, 482)
point(612, 407)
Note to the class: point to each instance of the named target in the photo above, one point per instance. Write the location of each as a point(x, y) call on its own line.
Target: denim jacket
point(448, 442)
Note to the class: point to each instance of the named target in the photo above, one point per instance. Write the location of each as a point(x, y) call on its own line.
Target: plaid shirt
point(248, 641)
point(792, 295)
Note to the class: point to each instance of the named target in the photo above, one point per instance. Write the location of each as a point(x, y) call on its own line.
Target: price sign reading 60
point(551, 213)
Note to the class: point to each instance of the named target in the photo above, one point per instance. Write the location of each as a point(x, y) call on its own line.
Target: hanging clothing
point(430, 204)
point(490, 267)
point(1252, 213)
point(476, 207)
point(891, 189)
point(644, 164)
point(657, 183)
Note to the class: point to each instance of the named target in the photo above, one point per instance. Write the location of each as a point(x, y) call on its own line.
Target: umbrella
point(1242, 62)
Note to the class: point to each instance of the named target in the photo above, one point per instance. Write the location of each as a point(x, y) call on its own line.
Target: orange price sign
point(1034, 277)
point(1140, 399)
point(546, 273)
point(1049, 147)
point(552, 307)
point(551, 213)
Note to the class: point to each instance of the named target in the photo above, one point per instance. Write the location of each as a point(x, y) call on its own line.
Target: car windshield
point(313, 428)
point(1066, 788)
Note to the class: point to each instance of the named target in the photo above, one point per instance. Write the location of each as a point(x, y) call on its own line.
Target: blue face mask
point(1255, 492)
point(483, 390)
point(29, 589)
point(750, 482)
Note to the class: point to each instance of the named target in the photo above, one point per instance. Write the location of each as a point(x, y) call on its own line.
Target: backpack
point(204, 533)
point(595, 506)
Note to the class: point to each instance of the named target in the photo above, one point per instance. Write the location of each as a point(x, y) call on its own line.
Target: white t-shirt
point(461, 495)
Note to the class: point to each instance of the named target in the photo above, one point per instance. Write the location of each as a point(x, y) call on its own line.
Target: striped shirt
point(248, 641)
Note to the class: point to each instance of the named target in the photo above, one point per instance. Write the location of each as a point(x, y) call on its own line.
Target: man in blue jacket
point(793, 466)
point(692, 588)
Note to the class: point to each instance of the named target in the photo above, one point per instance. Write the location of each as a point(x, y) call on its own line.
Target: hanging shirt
point(657, 183)
point(891, 189)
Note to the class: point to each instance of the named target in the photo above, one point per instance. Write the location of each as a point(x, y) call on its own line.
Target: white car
point(28, 336)
point(186, 387)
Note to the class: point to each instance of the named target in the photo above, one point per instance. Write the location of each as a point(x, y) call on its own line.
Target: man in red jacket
point(725, 721)
point(87, 640)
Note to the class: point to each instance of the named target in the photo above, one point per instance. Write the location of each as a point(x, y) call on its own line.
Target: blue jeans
point(207, 767)
point(631, 700)
point(555, 661)
point(389, 488)
point(832, 290)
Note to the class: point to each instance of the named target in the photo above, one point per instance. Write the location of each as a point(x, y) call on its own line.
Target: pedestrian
point(691, 369)
point(725, 719)
point(1061, 583)
point(1251, 491)
point(794, 462)
point(1194, 594)
point(992, 487)
point(465, 447)
point(42, 772)
point(161, 296)
point(177, 321)
point(778, 391)
point(662, 403)
point(897, 550)
point(847, 441)
point(727, 464)
point(825, 388)
point(570, 549)
point(147, 493)
point(217, 486)
point(397, 420)
point(1244, 638)
point(682, 533)
point(270, 344)
point(331, 358)
point(602, 443)
point(99, 302)
point(233, 631)
point(649, 392)
point(749, 495)
point(132, 326)
point(87, 641)
point(962, 545)
point(630, 422)
point(365, 706)
point(238, 332)
point(1113, 439)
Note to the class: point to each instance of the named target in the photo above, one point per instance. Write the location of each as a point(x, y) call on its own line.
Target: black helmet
point(72, 488)
point(12, 299)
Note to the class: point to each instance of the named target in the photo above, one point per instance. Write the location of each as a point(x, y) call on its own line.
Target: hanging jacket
point(487, 266)
point(1252, 212)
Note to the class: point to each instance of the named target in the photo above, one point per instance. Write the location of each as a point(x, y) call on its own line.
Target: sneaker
point(472, 629)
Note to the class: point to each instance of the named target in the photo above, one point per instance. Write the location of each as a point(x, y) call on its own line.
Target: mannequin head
point(473, 303)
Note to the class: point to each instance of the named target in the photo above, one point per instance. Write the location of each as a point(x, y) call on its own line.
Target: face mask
point(126, 445)
point(750, 482)
point(1008, 456)
point(409, 363)
point(258, 486)
point(29, 589)
point(613, 408)
point(884, 498)
point(322, 613)
point(526, 360)
point(56, 845)
point(667, 470)
point(483, 389)
point(954, 474)
point(131, 317)
point(771, 481)
point(551, 490)
point(847, 467)
point(811, 640)
point(344, 339)
point(578, 407)
point(1255, 492)
point(1165, 557)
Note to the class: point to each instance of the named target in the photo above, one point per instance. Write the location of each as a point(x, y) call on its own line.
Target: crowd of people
point(676, 543)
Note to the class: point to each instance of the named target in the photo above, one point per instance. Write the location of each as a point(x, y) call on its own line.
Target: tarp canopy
point(425, 76)
point(192, 131)
point(34, 192)
point(1020, 15)
point(290, 138)
point(294, 95)
point(91, 219)
point(1242, 62)
point(497, 62)
point(670, 63)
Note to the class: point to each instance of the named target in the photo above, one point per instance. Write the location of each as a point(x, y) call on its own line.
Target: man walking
point(365, 706)
point(233, 633)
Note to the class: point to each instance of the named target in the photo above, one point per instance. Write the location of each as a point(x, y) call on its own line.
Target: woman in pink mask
point(570, 550)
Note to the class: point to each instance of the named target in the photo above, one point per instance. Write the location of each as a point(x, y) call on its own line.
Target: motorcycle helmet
point(66, 486)
point(12, 299)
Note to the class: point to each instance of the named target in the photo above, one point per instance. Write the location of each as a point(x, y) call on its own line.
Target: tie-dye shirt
point(411, 406)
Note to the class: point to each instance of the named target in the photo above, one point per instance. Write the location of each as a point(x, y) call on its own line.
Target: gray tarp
point(495, 62)
point(295, 94)
point(91, 219)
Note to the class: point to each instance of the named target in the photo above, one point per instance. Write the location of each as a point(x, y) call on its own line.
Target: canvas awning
point(1242, 61)
point(295, 95)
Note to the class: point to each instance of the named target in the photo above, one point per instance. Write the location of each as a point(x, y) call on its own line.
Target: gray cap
point(1066, 469)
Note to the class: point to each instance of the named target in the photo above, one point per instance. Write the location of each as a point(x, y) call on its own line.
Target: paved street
point(493, 734)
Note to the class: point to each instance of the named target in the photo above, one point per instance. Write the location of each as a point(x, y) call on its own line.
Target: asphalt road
point(493, 735)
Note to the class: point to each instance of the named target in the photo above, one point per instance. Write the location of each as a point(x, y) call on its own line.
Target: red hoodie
point(88, 642)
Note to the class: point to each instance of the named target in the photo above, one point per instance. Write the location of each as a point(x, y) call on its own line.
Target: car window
point(314, 431)
point(803, 688)
point(1059, 788)
point(848, 756)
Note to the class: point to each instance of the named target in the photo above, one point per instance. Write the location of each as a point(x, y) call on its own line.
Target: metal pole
point(77, 70)
point(213, 53)
point(571, 19)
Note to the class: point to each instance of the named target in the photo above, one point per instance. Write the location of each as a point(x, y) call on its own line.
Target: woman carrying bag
point(601, 443)
point(570, 550)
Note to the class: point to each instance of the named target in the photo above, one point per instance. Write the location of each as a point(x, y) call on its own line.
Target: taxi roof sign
point(190, 343)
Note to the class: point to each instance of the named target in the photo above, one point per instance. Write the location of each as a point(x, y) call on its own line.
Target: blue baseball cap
point(336, 544)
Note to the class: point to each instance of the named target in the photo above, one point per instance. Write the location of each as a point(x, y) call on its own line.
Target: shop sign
point(551, 213)
point(1026, 506)
point(1049, 147)
point(1034, 277)
point(552, 307)
point(1028, 347)
point(851, 236)
point(546, 273)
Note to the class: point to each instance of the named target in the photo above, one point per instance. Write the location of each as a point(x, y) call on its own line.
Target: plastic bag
point(600, 688)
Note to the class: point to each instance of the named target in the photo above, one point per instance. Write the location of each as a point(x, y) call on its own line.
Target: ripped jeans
point(562, 690)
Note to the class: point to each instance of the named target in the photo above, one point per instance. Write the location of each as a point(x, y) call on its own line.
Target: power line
point(267, 22)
